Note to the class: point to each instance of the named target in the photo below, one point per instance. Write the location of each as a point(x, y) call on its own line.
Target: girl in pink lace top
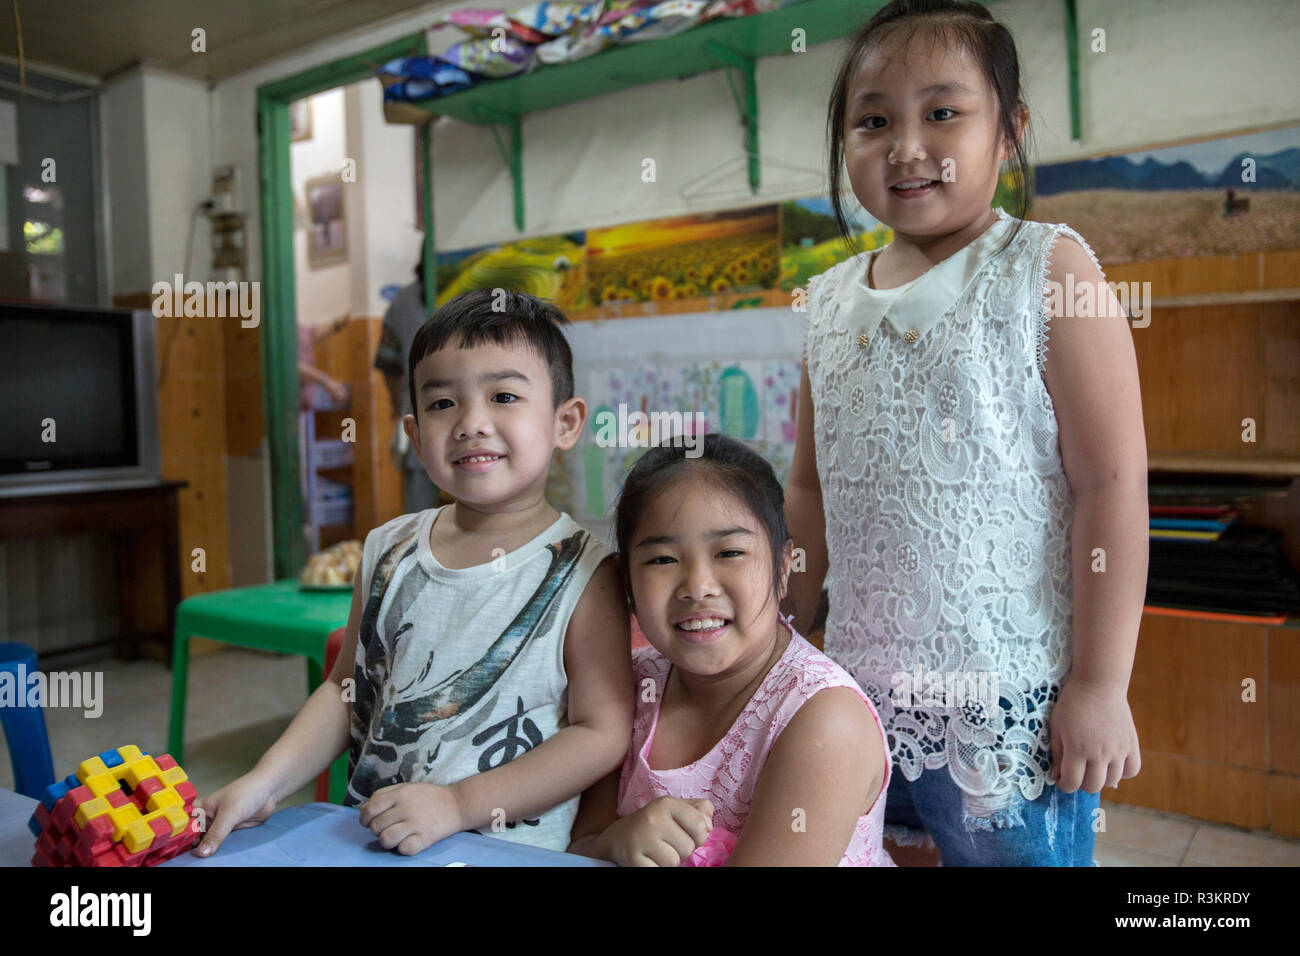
point(749, 745)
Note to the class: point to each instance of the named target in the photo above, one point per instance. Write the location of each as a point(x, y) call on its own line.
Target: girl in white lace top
point(976, 503)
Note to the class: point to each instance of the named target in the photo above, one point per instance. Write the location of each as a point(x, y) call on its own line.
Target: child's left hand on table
point(1094, 740)
point(411, 817)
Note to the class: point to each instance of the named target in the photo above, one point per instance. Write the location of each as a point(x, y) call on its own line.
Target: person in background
point(308, 374)
point(406, 313)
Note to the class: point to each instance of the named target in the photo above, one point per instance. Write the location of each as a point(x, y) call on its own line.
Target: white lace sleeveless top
point(947, 510)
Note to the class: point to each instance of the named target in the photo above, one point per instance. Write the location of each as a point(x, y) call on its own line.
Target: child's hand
point(411, 817)
point(245, 802)
point(1094, 742)
point(662, 833)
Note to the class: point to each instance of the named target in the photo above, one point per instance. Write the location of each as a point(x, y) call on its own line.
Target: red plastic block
point(63, 851)
point(128, 859)
point(147, 789)
point(97, 837)
point(65, 808)
point(164, 762)
point(187, 792)
point(116, 798)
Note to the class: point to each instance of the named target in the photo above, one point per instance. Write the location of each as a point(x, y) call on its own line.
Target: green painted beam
point(279, 304)
point(343, 71)
point(1072, 63)
point(279, 337)
point(513, 156)
point(746, 105)
point(426, 177)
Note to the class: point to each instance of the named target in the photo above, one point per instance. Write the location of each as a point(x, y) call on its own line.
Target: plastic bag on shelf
point(415, 78)
point(493, 57)
point(557, 19)
point(741, 8)
point(476, 22)
point(661, 20)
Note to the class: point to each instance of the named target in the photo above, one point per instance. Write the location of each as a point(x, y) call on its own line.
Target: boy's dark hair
point(470, 320)
point(732, 465)
point(959, 23)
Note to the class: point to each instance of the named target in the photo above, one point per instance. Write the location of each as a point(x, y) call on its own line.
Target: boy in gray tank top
point(485, 680)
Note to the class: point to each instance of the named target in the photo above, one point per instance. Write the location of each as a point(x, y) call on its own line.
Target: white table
point(311, 834)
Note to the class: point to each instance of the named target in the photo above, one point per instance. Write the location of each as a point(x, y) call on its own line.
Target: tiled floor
point(240, 701)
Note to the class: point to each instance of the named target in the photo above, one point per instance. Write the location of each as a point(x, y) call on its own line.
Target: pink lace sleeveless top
point(728, 774)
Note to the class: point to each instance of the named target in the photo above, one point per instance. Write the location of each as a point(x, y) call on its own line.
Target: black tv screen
point(71, 384)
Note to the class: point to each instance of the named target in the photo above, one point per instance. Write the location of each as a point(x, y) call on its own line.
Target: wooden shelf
point(1224, 463)
point(1226, 298)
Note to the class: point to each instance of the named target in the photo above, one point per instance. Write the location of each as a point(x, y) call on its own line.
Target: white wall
point(385, 190)
point(128, 184)
point(178, 139)
point(1174, 69)
point(157, 139)
point(323, 293)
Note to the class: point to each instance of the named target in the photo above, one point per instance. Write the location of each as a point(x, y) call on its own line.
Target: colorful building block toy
point(122, 808)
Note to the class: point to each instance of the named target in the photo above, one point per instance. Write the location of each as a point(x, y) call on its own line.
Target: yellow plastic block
point(163, 799)
point(142, 769)
point(172, 776)
point(123, 817)
point(129, 754)
point(91, 809)
point(177, 818)
point(139, 835)
point(102, 784)
point(90, 767)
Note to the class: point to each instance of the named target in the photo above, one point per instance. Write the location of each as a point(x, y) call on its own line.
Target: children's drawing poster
point(648, 380)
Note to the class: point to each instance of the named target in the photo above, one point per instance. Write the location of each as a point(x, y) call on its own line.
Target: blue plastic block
point(55, 792)
point(111, 758)
point(34, 826)
point(72, 781)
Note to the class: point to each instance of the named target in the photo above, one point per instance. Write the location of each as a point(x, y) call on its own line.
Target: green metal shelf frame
point(725, 44)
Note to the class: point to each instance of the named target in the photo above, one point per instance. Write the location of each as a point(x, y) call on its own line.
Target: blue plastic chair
point(24, 727)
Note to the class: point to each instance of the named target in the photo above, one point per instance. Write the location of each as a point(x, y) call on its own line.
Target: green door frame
point(279, 302)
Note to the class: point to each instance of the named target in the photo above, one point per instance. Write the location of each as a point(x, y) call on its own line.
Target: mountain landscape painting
point(1216, 197)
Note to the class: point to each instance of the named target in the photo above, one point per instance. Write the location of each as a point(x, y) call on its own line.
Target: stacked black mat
point(1243, 572)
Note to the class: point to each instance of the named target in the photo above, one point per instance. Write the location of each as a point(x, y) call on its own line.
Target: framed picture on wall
point(327, 240)
point(300, 120)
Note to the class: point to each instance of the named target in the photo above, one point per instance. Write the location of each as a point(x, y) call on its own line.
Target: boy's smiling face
point(487, 427)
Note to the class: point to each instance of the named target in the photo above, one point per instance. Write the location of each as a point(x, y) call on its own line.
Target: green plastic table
point(276, 617)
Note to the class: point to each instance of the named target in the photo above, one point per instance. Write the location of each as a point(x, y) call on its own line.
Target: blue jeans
point(1054, 830)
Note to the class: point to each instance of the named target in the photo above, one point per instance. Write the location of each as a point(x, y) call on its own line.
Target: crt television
point(78, 399)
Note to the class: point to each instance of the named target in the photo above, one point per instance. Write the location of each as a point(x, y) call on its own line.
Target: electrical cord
point(204, 207)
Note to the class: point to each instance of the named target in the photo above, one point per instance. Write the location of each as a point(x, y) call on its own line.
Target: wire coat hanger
point(812, 181)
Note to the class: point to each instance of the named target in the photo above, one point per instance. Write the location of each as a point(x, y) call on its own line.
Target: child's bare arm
point(804, 515)
point(596, 813)
point(819, 778)
point(314, 739)
point(1092, 376)
point(597, 659)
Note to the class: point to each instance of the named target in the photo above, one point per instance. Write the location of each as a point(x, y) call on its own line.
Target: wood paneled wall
point(1209, 750)
point(376, 480)
point(1205, 368)
point(1206, 751)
